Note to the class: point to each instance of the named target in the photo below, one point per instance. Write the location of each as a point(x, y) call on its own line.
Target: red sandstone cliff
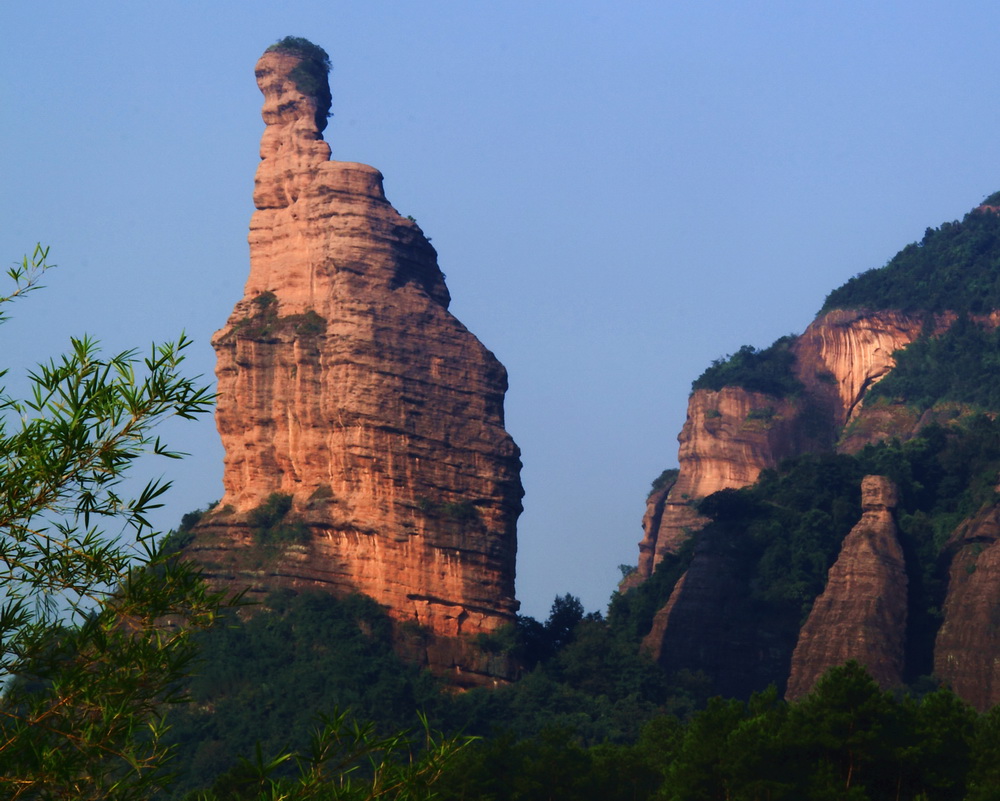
point(861, 614)
point(728, 438)
point(345, 383)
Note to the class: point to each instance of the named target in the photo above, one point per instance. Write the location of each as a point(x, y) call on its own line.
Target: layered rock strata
point(728, 438)
point(345, 384)
point(862, 611)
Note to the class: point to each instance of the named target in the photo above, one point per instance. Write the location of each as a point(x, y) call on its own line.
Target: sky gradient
point(618, 192)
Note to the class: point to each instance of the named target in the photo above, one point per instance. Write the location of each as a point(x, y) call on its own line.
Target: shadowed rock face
point(861, 613)
point(345, 383)
point(967, 650)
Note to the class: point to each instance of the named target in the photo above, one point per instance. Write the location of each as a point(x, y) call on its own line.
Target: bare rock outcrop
point(850, 351)
point(729, 437)
point(862, 612)
point(346, 384)
point(967, 649)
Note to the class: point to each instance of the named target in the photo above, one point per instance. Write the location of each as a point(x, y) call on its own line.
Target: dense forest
point(955, 267)
point(592, 710)
point(770, 370)
point(592, 718)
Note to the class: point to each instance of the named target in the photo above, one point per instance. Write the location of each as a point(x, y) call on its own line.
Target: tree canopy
point(87, 656)
point(955, 267)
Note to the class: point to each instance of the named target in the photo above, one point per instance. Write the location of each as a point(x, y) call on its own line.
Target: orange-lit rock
point(728, 438)
point(850, 351)
point(345, 383)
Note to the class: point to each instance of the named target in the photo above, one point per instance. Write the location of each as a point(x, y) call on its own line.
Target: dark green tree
point(88, 657)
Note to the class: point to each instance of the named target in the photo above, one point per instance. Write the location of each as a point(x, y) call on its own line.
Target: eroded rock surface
point(850, 351)
point(345, 383)
point(861, 613)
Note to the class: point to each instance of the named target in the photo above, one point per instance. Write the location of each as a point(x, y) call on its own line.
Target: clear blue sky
point(619, 192)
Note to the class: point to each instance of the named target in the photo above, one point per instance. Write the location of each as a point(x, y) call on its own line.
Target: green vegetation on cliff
point(955, 267)
point(960, 366)
point(786, 530)
point(311, 76)
point(770, 370)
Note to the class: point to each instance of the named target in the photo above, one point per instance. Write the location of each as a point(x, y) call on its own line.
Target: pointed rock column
point(345, 383)
point(861, 613)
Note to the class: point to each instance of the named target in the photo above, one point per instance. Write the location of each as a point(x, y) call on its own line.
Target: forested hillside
point(591, 717)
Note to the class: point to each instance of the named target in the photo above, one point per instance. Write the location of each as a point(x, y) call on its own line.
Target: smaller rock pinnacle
point(310, 75)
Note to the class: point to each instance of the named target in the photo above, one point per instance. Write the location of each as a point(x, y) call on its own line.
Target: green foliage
point(549, 765)
point(960, 366)
point(770, 371)
point(666, 479)
point(763, 413)
point(597, 685)
point(271, 512)
point(631, 613)
point(269, 524)
point(87, 659)
point(788, 528)
point(845, 740)
point(264, 323)
point(592, 719)
point(175, 541)
point(955, 267)
point(347, 761)
point(264, 680)
point(308, 324)
point(311, 75)
point(300, 46)
point(265, 300)
point(785, 531)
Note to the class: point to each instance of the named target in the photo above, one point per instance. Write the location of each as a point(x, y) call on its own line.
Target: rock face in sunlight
point(363, 424)
point(861, 614)
point(729, 436)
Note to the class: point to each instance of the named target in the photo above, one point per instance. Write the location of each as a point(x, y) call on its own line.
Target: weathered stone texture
point(729, 437)
point(851, 351)
point(862, 612)
point(345, 382)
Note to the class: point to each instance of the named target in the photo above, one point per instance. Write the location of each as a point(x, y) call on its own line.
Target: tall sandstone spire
point(346, 384)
